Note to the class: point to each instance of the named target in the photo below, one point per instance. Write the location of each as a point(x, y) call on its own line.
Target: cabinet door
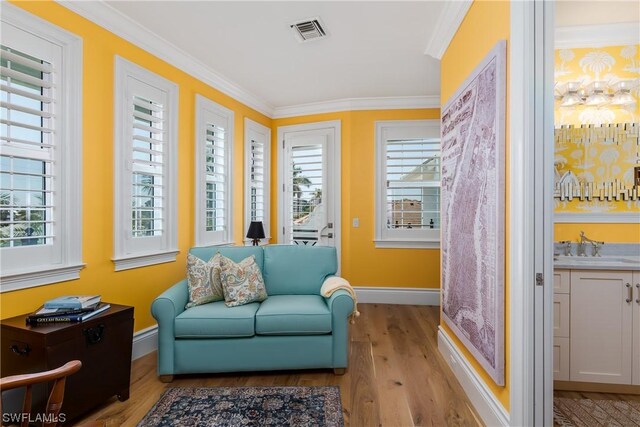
point(561, 315)
point(635, 367)
point(601, 326)
point(561, 281)
point(561, 359)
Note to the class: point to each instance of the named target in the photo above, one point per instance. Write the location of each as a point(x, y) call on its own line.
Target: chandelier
point(596, 94)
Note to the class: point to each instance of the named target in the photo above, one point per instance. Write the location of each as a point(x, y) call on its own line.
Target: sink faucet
point(583, 243)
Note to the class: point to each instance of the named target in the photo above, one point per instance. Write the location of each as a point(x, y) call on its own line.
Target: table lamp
point(256, 232)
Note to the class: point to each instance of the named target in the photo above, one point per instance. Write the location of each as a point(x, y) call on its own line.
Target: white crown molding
point(597, 218)
point(597, 35)
point(405, 296)
point(484, 401)
point(121, 25)
point(450, 19)
point(358, 104)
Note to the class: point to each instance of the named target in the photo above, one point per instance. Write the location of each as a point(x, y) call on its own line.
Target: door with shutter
point(309, 179)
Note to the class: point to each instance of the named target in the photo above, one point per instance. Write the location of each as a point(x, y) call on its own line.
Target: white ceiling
point(374, 49)
point(573, 13)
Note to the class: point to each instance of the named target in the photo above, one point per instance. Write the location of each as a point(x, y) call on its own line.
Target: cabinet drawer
point(561, 281)
point(561, 359)
point(561, 312)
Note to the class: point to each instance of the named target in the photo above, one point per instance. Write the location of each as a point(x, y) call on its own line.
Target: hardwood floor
point(396, 376)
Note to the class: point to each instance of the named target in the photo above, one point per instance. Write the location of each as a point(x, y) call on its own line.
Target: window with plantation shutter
point(257, 149)
point(214, 158)
point(408, 183)
point(40, 161)
point(145, 153)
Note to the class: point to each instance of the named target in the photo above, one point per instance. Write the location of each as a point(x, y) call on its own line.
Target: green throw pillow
point(204, 280)
point(242, 282)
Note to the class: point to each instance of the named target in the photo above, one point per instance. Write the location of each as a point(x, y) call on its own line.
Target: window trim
point(124, 257)
point(70, 178)
point(381, 240)
point(263, 130)
point(202, 237)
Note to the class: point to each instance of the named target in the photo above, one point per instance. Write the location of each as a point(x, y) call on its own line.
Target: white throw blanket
point(335, 283)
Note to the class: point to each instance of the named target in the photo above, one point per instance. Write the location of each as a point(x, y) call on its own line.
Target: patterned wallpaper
point(598, 162)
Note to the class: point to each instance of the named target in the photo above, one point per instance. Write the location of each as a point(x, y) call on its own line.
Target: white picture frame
point(473, 212)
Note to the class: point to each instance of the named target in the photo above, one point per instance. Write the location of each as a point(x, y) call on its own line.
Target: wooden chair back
point(54, 404)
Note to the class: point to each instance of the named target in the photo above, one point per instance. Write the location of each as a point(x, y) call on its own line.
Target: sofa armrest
point(164, 309)
point(341, 306)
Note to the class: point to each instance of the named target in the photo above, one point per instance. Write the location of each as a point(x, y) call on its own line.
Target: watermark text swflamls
point(34, 418)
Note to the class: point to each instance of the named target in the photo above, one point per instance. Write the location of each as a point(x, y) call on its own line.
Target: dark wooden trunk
point(103, 344)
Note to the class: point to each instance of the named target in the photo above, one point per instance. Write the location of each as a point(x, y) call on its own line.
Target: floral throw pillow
point(242, 282)
point(204, 280)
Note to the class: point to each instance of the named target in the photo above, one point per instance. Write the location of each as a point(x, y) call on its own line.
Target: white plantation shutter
point(413, 184)
point(27, 160)
point(40, 152)
point(408, 183)
point(216, 178)
point(257, 180)
point(214, 148)
point(147, 168)
point(257, 174)
point(145, 163)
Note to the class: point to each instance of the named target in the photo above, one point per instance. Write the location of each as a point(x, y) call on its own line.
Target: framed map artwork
point(473, 212)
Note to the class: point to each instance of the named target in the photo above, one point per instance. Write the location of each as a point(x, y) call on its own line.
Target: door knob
point(629, 292)
point(638, 288)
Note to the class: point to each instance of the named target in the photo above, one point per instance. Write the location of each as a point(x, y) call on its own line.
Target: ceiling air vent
point(309, 29)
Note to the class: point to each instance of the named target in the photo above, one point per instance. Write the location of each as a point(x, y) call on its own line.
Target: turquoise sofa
point(294, 328)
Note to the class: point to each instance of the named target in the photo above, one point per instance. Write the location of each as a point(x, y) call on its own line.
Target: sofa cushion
point(203, 279)
point(293, 315)
point(242, 282)
point(216, 320)
point(235, 253)
point(297, 270)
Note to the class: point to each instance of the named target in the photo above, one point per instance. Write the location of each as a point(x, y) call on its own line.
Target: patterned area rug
point(587, 412)
point(247, 406)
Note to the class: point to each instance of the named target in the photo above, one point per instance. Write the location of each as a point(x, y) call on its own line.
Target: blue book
point(67, 318)
point(72, 302)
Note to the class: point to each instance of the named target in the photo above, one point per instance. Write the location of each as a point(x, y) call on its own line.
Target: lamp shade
point(256, 230)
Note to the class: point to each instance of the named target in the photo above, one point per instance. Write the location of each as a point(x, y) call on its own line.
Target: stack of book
point(74, 308)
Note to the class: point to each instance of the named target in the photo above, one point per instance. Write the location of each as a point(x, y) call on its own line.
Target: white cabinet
point(561, 324)
point(635, 356)
point(561, 281)
point(601, 326)
point(561, 359)
point(602, 312)
point(596, 326)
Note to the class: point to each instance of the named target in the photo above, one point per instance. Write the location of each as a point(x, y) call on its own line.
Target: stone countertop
point(605, 262)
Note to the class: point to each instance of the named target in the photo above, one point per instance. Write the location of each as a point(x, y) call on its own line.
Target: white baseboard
point(406, 296)
point(488, 407)
point(144, 342)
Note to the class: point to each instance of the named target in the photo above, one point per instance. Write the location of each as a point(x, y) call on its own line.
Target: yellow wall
point(589, 64)
point(608, 233)
point(485, 24)
point(362, 263)
point(135, 287)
